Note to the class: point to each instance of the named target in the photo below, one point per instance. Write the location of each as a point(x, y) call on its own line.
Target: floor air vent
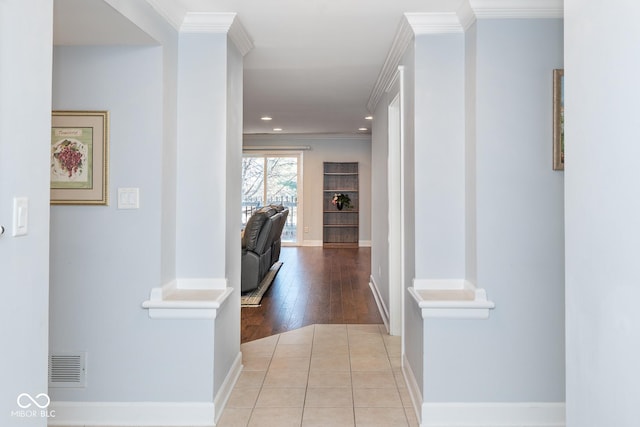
point(67, 370)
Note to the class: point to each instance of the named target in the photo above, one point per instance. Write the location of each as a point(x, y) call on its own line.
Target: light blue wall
point(202, 103)
point(25, 126)
point(470, 192)
point(602, 210)
point(227, 344)
point(104, 261)
point(518, 353)
point(439, 156)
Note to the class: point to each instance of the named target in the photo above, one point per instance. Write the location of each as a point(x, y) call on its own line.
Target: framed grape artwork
point(79, 157)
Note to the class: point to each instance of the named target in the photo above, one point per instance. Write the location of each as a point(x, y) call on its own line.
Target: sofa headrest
point(252, 230)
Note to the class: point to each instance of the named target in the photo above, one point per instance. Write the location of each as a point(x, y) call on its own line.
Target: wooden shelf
point(340, 227)
point(341, 173)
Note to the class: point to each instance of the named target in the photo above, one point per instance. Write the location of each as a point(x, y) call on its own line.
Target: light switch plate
point(128, 198)
point(20, 216)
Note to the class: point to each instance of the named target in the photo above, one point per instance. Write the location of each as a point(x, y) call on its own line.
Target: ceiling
point(313, 65)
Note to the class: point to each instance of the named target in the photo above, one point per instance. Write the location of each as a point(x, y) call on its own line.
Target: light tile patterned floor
point(321, 375)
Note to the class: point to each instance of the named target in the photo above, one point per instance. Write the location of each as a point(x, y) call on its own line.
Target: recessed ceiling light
point(369, 118)
point(266, 118)
point(277, 129)
point(363, 129)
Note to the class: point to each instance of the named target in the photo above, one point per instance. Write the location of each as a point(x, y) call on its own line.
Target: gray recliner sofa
point(261, 243)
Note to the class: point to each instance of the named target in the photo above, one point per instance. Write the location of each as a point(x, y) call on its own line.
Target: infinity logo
point(42, 397)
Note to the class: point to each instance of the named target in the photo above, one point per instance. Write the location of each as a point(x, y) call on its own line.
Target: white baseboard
point(493, 414)
point(161, 414)
point(227, 387)
point(481, 414)
point(139, 414)
point(384, 312)
point(412, 385)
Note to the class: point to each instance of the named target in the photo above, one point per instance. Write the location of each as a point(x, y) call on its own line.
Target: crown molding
point(456, 22)
point(466, 16)
point(434, 23)
point(211, 22)
point(172, 11)
point(401, 41)
point(207, 22)
point(417, 24)
point(240, 37)
point(521, 9)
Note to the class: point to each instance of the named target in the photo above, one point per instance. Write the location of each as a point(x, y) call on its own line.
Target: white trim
point(396, 203)
point(489, 414)
point(223, 23)
point(522, 9)
point(210, 283)
point(364, 243)
point(382, 308)
point(434, 23)
point(404, 36)
point(226, 388)
point(454, 22)
point(171, 11)
point(413, 387)
point(450, 299)
point(188, 299)
point(466, 16)
point(132, 413)
point(240, 37)
point(442, 284)
point(207, 22)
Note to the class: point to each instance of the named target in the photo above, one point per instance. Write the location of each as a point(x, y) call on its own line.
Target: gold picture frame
point(558, 119)
point(79, 162)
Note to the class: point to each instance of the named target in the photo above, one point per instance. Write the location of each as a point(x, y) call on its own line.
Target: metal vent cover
point(68, 370)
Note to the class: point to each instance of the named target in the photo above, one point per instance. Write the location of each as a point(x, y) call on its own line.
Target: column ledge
point(188, 299)
point(450, 299)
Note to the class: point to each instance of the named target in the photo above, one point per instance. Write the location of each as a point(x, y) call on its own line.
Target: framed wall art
point(558, 119)
point(79, 157)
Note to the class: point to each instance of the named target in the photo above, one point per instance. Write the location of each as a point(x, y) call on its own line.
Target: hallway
point(314, 286)
point(321, 375)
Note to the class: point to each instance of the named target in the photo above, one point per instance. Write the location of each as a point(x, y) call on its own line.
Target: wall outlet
point(306, 229)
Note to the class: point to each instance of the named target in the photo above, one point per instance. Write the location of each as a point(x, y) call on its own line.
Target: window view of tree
point(271, 180)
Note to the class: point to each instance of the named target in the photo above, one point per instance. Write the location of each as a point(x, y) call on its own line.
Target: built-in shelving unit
point(340, 227)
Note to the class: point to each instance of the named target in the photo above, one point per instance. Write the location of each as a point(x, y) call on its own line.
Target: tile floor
point(321, 375)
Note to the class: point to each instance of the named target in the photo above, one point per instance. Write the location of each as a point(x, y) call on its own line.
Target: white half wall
point(97, 308)
point(517, 354)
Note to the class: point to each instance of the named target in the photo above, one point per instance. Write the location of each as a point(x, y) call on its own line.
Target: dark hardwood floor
point(314, 286)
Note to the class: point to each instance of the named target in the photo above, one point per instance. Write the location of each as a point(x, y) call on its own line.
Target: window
point(272, 179)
